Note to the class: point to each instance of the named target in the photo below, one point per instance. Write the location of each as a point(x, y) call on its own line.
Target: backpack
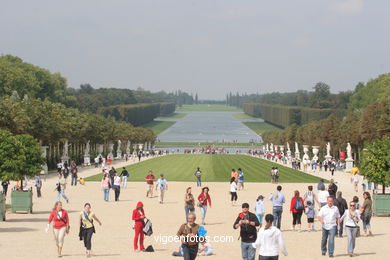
point(298, 204)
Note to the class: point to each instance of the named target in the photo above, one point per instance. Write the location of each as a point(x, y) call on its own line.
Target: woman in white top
point(233, 190)
point(351, 217)
point(270, 241)
point(323, 196)
point(117, 186)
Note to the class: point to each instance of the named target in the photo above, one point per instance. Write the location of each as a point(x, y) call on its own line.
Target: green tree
point(376, 162)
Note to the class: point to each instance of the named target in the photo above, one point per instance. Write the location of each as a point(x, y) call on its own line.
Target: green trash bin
point(381, 204)
point(2, 207)
point(21, 201)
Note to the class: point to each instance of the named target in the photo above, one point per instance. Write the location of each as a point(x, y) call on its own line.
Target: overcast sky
point(206, 46)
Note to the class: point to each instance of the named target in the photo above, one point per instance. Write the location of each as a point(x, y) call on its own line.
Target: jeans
point(203, 211)
point(198, 182)
point(339, 232)
point(276, 257)
point(233, 196)
point(117, 190)
point(124, 181)
point(106, 192)
point(61, 193)
point(366, 221)
point(369, 184)
point(247, 251)
point(277, 212)
point(187, 211)
point(74, 180)
point(39, 192)
point(351, 235)
point(190, 252)
point(260, 218)
point(325, 234)
point(87, 237)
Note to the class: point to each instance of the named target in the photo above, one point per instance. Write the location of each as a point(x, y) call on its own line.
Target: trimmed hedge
point(284, 116)
point(138, 114)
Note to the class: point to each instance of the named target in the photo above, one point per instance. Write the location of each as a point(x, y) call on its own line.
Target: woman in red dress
point(138, 217)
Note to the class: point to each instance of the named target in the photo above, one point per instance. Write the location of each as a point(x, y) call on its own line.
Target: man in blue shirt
point(240, 179)
point(162, 186)
point(277, 205)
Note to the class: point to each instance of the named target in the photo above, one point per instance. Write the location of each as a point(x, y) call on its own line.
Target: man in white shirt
point(329, 216)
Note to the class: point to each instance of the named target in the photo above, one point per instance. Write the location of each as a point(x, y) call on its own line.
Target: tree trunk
point(383, 188)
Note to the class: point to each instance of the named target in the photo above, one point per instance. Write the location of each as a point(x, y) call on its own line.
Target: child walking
point(310, 213)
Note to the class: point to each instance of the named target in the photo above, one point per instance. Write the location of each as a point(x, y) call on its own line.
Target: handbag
point(63, 220)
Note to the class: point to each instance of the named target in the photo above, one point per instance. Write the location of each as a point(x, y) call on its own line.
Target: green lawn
point(174, 116)
point(260, 127)
point(215, 168)
point(208, 108)
point(185, 144)
point(159, 126)
point(244, 116)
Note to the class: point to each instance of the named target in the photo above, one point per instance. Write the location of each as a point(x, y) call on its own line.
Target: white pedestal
point(328, 157)
point(119, 155)
point(348, 164)
point(87, 160)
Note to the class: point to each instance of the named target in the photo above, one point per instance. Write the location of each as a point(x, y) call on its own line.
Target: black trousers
point(234, 196)
point(297, 217)
point(88, 232)
point(39, 192)
point(117, 190)
point(276, 257)
point(190, 252)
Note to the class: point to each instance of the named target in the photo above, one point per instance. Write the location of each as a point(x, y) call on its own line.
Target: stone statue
point(87, 148)
point(65, 151)
point(305, 151)
point(100, 148)
point(128, 147)
point(328, 149)
point(271, 147)
point(315, 153)
point(119, 146)
point(296, 148)
point(110, 149)
point(349, 151)
point(267, 148)
point(288, 147)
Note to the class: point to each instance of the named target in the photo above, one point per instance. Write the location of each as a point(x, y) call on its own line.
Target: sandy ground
point(22, 235)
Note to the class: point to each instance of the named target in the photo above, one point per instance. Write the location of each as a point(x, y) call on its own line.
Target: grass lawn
point(174, 116)
point(215, 168)
point(208, 108)
point(159, 126)
point(260, 127)
point(244, 116)
point(185, 144)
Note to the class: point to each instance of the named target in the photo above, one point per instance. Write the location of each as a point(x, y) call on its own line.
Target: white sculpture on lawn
point(87, 158)
point(315, 153)
point(65, 153)
point(297, 153)
point(110, 149)
point(128, 145)
point(118, 150)
point(349, 160)
point(328, 156)
point(305, 151)
point(288, 150)
point(271, 148)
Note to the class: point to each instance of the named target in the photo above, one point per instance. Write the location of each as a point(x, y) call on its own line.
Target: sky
point(209, 47)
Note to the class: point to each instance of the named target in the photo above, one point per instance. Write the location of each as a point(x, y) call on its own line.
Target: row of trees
point(320, 97)
point(52, 124)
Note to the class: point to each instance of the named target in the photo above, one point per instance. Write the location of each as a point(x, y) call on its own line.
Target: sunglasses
point(352, 205)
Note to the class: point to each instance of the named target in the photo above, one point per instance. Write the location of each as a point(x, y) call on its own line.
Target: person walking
point(139, 218)
point(259, 208)
point(296, 208)
point(204, 201)
point(320, 184)
point(241, 174)
point(310, 196)
point(5, 184)
point(188, 237)
point(198, 175)
point(351, 217)
point(38, 185)
point(366, 212)
point(61, 186)
point(310, 213)
point(355, 180)
point(162, 186)
point(278, 200)
point(342, 205)
point(116, 186)
point(150, 183)
point(124, 174)
point(233, 190)
point(270, 241)
point(74, 176)
point(247, 222)
point(60, 220)
point(234, 174)
point(332, 188)
point(87, 227)
point(189, 202)
point(106, 186)
point(112, 173)
point(329, 218)
point(323, 196)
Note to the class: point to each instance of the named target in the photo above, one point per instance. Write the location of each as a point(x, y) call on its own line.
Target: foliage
point(159, 126)
point(208, 108)
point(260, 127)
point(19, 155)
point(215, 168)
point(376, 162)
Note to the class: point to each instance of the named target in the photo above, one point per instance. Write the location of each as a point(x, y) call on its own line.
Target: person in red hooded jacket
point(138, 217)
point(296, 208)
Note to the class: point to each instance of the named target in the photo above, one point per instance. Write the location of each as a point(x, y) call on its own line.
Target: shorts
point(310, 220)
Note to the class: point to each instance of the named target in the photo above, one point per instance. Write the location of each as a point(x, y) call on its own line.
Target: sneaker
point(136, 251)
point(323, 254)
point(331, 256)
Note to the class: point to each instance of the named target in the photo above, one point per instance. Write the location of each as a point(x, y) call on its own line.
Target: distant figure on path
point(204, 200)
point(351, 217)
point(310, 213)
point(259, 208)
point(74, 176)
point(150, 183)
point(270, 241)
point(234, 174)
point(320, 184)
point(61, 186)
point(240, 179)
point(198, 175)
point(296, 208)
point(332, 188)
point(189, 202)
point(38, 185)
point(106, 186)
point(162, 186)
point(329, 217)
point(310, 196)
point(247, 222)
point(342, 205)
point(60, 226)
point(277, 205)
point(188, 237)
point(366, 211)
point(355, 180)
point(124, 174)
point(116, 186)
point(233, 190)
point(87, 227)
point(139, 218)
point(323, 196)
point(5, 184)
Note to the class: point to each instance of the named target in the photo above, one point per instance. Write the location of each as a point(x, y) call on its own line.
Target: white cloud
point(347, 6)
